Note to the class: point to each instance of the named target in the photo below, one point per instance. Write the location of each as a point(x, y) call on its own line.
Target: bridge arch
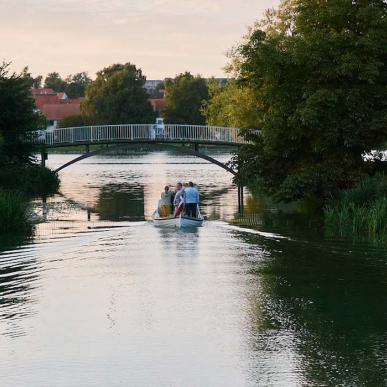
point(182, 150)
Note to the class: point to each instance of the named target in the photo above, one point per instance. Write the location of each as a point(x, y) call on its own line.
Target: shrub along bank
point(361, 211)
point(18, 184)
point(31, 180)
point(13, 212)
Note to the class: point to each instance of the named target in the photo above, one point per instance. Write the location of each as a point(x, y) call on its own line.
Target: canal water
point(100, 297)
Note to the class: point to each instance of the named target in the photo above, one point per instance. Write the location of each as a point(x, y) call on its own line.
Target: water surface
point(100, 297)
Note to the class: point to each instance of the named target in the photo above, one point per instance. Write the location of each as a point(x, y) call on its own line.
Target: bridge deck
point(141, 133)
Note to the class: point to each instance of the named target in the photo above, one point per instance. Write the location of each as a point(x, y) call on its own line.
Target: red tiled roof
point(62, 95)
point(42, 99)
point(58, 111)
point(158, 104)
point(74, 100)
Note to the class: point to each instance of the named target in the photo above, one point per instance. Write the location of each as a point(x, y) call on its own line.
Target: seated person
point(166, 203)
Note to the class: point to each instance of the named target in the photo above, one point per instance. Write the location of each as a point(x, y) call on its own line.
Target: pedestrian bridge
point(141, 133)
point(173, 135)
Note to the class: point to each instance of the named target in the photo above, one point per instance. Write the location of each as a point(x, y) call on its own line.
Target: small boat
point(181, 221)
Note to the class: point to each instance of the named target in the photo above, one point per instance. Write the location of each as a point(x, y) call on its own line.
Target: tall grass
point(14, 212)
point(361, 211)
point(18, 184)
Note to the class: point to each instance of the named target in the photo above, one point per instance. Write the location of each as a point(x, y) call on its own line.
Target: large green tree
point(18, 117)
point(185, 97)
point(231, 105)
point(77, 84)
point(117, 96)
point(318, 70)
point(54, 81)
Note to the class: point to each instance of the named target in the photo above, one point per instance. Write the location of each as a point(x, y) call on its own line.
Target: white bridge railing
point(140, 132)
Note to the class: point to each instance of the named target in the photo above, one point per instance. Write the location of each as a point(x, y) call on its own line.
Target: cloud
point(162, 36)
point(120, 21)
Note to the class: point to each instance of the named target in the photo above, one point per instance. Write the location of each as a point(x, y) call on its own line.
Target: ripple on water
point(97, 299)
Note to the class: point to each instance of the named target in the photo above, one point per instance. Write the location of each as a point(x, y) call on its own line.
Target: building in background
point(151, 85)
point(158, 104)
point(55, 106)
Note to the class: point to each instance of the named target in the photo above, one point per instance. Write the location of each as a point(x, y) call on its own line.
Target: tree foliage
point(54, 81)
point(185, 97)
point(231, 105)
point(118, 96)
point(74, 85)
point(75, 121)
point(77, 84)
point(318, 71)
point(37, 82)
point(17, 116)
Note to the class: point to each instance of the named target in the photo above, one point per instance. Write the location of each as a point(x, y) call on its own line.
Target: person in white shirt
point(179, 199)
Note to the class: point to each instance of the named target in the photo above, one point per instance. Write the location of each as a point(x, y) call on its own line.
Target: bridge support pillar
point(43, 158)
point(196, 147)
point(241, 205)
point(87, 148)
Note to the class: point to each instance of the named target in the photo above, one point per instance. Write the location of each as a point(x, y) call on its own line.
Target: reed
point(14, 212)
point(361, 211)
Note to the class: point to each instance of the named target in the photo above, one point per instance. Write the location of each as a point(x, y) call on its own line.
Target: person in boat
point(166, 202)
point(179, 199)
point(192, 198)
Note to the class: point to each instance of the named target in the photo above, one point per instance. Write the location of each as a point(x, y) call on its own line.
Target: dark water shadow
point(329, 297)
point(19, 275)
point(119, 202)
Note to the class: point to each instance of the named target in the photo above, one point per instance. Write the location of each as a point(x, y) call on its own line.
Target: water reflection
point(182, 243)
point(118, 202)
point(98, 298)
point(19, 273)
point(323, 299)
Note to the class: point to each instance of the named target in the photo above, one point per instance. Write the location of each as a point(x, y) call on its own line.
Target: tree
point(185, 97)
point(54, 81)
point(75, 120)
point(37, 82)
point(117, 96)
point(231, 105)
point(318, 71)
point(17, 116)
point(33, 82)
point(77, 84)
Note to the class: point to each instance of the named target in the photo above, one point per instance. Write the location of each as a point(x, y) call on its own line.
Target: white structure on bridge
point(151, 133)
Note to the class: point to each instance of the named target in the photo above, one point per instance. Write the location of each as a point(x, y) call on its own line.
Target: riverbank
point(18, 185)
point(13, 212)
point(361, 211)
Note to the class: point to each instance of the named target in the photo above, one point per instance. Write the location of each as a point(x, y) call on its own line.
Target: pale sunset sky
point(163, 37)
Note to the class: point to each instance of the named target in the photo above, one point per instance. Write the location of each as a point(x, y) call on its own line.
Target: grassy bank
point(18, 184)
point(14, 212)
point(361, 211)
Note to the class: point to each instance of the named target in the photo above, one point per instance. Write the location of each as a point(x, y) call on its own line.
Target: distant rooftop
point(43, 91)
point(56, 112)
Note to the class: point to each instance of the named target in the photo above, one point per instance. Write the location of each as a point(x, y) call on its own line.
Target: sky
point(162, 37)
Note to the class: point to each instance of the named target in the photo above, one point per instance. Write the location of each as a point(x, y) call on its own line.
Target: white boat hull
point(185, 221)
point(179, 222)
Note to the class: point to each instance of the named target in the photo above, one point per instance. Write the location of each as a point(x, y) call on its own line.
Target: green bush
point(31, 180)
point(361, 211)
point(14, 212)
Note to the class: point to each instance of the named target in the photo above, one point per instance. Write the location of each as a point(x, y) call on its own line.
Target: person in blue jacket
point(192, 198)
